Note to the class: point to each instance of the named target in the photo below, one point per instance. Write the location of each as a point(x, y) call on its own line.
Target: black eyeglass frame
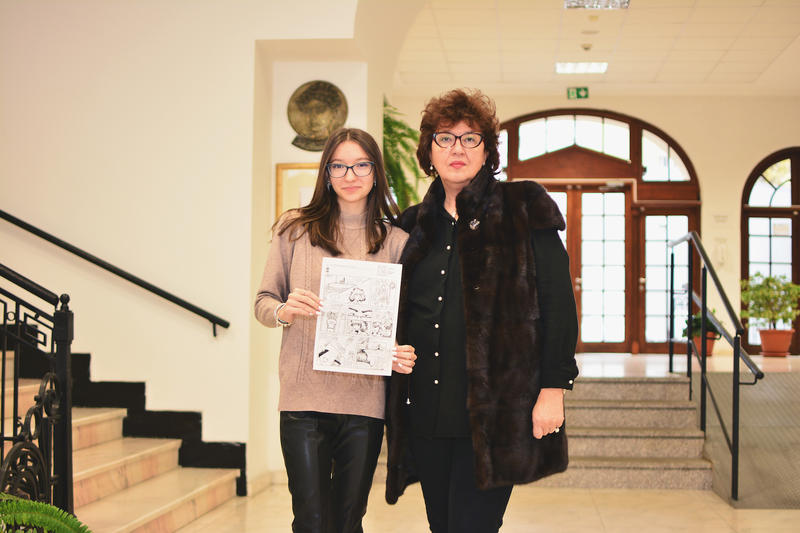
point(457, 138)
point(351, 167)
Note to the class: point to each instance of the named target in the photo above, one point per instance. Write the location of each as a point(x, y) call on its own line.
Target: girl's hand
point(301, 303)
point(403, 358)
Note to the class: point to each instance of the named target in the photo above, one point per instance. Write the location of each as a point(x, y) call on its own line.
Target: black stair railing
point(36, 450)
point(215, 320)
point(735, 340)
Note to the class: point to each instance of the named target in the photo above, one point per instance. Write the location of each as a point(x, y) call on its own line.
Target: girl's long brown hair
point(320, 218)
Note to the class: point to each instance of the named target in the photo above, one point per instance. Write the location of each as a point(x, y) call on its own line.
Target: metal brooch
point(474, 223)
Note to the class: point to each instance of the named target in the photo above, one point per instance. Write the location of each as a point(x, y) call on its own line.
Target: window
point(502, 148)
point(659, 160)
point(770, 224)
point(543, 135)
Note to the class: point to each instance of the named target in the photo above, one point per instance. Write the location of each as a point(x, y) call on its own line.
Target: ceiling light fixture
point(582, 68)
point(596, 4)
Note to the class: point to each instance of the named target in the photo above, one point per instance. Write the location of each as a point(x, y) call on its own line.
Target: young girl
point(331, 424)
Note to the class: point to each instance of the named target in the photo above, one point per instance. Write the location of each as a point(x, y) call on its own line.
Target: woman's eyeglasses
point(471, 139)
point(361, 169)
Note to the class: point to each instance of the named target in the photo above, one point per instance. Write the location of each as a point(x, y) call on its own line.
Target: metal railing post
point(671, 325)
point(737, 344)
point(62, 436)
point(689, 290)
point(703, 346)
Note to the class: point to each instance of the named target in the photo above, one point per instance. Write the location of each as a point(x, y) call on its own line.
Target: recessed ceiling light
point(582, 68)
point(596, 4)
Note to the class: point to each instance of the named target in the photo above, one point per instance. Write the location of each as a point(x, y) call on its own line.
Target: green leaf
point(399, 154)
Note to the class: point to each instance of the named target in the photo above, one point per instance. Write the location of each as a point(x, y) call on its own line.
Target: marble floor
point(533, 509)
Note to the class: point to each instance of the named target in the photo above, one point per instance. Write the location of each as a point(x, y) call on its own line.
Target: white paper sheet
point(357, 327)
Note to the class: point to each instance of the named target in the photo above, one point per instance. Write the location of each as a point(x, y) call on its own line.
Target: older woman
point(488, 306)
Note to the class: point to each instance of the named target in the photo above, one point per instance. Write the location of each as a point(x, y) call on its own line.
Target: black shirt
point(436, 329)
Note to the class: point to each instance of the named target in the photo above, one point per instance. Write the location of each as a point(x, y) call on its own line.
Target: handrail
point(29, 285)
point(215, 320)
point(695, 238)
point(732, 438)
point(734, 318)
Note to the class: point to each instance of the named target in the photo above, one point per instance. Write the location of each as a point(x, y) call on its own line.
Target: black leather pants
point(330, 460)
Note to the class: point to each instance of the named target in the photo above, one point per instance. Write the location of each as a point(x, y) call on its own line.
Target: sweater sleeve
point(274, 288)
point(558, 312)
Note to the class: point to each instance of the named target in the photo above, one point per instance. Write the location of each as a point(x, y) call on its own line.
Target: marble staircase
point(124, 484)
point(633, 433)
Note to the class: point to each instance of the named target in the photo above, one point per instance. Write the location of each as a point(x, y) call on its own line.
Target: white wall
point(126, 128)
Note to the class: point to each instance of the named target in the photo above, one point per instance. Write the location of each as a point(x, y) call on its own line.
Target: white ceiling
point(742, 47)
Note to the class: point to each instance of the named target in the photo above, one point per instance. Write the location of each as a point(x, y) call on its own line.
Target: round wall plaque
point(316, 109)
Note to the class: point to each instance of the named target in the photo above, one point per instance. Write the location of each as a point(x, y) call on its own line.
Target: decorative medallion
point(315, 110)
point(474, 223)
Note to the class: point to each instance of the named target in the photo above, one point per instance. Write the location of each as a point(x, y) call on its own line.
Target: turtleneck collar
point(353, 221)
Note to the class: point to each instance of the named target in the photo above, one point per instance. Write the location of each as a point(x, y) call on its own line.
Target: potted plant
point(18, 514)
point(772, 299)
point(694, 329)
point(400, 156)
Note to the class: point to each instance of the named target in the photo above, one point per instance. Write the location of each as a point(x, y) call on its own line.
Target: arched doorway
point(771, 225)
point(626, 189)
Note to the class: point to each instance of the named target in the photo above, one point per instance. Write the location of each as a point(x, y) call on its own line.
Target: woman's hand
point(403, 358)
point(301, 303)
point(548, 412)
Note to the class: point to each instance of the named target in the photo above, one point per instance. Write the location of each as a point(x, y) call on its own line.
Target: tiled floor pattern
point(531, 510)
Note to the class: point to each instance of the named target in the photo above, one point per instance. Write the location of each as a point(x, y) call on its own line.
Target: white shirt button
point(448, 247)
point(570, 382)
point(436, 354)
point(435, 381)
point(442, 272)
point(440, 298)
point(436, 326)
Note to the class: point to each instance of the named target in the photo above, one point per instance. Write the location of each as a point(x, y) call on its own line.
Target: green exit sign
point(577, 93)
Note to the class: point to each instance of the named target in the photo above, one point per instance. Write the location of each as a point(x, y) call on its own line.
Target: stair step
point(115, 465)
point(630, 413)
point(668, 388)
point(28, 388)
point(635, 442)
point(95, 425)
point(161, 504)
point(633, 473)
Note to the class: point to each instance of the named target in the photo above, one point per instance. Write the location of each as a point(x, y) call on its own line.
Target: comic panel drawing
point(356, 330)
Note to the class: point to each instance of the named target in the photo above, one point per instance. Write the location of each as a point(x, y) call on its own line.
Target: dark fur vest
point(502, 330)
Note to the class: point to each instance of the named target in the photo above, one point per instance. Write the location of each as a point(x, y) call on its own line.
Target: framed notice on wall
point(294, 185)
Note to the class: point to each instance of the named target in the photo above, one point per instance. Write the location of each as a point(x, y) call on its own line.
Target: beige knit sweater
point(297, 264)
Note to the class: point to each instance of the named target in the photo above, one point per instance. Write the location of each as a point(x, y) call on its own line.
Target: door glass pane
point(773, 188)
point(659, 230)
point(770, 245)
point(589, 132)
point(677, 170)
point(560, 198)
point(616, 139)
point(603, 267)
point(654, 157)
point(560, 132)
point(770, 250)
point(531, 139)
point(502, 148)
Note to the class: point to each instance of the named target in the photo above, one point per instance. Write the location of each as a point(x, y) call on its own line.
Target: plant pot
point(775, 342)
point(710, 338)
